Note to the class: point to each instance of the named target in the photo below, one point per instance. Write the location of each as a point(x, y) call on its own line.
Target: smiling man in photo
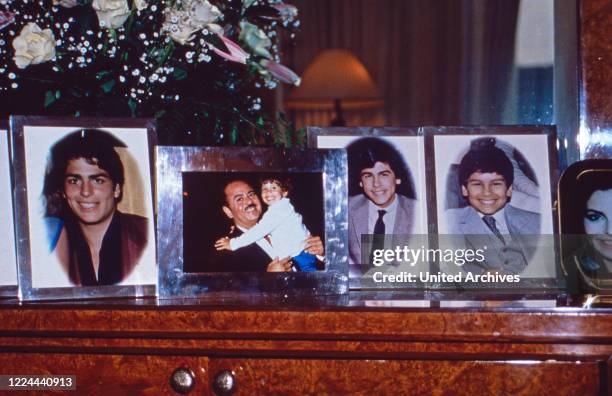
point(95, 242)
point(384, 204)
point(243, 208)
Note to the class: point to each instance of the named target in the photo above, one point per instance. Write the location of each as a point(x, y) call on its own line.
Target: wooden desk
point(134, 346)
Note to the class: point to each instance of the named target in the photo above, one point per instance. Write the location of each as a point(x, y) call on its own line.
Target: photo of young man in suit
point(486, 177)
point(384, 201)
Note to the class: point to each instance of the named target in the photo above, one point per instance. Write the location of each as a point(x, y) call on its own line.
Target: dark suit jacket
point(250, 258)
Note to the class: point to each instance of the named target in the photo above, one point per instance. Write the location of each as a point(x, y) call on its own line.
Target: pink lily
point(6, 18)
point(235, 54)
point(282, 73)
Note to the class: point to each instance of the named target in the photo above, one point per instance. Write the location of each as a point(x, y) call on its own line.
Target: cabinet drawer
point(151, 375)
point(110, 374)
point(393, 377)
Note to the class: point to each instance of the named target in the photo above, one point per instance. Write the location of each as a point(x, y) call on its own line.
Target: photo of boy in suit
point(486, 176)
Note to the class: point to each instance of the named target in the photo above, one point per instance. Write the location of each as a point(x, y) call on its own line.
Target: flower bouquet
point(199, 67)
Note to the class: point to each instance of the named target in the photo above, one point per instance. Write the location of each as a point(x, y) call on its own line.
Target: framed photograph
point(492, 206)
point(585, 219)
point(8, 264)
point(387, 202)
point(84, 207)
point(255, 220)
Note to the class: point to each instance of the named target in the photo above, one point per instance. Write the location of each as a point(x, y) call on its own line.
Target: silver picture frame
point(177, 165)
point(530, 253)
point(8, 263)
point(584, 189)
point(404, 150)
point(40, 272)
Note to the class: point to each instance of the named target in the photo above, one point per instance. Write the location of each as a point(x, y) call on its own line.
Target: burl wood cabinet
point(131, 347)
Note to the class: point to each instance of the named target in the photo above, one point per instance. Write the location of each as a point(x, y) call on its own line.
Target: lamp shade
point(335, 74)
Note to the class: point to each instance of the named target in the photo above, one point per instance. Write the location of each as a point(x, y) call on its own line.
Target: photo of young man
point(387, 194)
point(95, 243)
point(88, 200)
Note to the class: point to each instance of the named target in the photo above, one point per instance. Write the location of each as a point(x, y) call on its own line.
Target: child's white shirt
point(283, 224)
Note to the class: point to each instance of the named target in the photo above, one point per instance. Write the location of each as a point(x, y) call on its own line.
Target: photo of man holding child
point(255, 222)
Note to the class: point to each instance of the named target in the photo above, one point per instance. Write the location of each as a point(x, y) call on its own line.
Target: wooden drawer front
point(410, 377)
point(109, 374)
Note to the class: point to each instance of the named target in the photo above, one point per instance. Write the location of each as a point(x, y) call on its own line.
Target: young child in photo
point(281, 224)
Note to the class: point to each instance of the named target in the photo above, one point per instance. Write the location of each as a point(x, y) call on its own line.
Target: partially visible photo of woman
point(588, 230)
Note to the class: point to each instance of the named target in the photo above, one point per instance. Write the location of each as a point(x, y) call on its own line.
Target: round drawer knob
point(182, 380)
point(224, 383)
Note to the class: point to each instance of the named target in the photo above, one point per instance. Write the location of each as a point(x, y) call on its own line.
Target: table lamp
point(337, 80)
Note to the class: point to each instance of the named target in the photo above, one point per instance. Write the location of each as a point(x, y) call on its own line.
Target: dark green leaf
point(233, 135)
point(49, 98)
point(262, 13)
point(133, 107)
point(100, 75)
point(179, 74)
point(108, 86)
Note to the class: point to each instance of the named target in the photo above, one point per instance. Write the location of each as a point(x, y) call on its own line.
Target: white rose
point(33, 46)
point(111, 13)
point(140, 4)
point(202, 14)
point(255, 39)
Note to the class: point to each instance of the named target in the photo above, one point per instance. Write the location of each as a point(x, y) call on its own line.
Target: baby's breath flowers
point(196, 62)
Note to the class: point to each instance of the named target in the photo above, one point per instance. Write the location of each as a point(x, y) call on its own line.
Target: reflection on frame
point(226, 226)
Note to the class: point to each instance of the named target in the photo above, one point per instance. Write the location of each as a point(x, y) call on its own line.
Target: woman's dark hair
point(366, 152)
point(587, 184)
point(97, 147)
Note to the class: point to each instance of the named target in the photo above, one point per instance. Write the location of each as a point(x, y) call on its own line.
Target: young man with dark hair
point(384, 202)
point(96, 244)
